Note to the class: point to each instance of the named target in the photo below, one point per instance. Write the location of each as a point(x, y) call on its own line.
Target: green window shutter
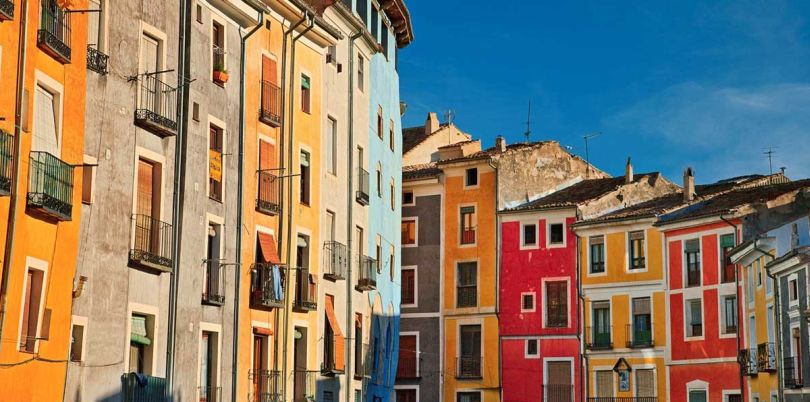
point(727, 240)
point(138, 332)
point(304, 82)
point(692, 245)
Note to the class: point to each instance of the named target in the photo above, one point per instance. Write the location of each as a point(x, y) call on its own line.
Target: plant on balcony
point(220, 73)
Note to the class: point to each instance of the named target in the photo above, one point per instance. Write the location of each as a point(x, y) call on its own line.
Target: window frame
point(331, 151)
point(631, 257)
point(527, 353)
point(305, 192)
point(724, 319)
point(534, 302)
point(415, 220)
point(687, 318)
point(305, 93)
point(536, 243)
point(687, 264)
point(473, 224)
point(78, 321)
point(590, 271)
point(555, 222)
point(547, 324)
point(413, 198)
point(219, 127)
point(467, 184)
point(459, 286)
point(415, 286)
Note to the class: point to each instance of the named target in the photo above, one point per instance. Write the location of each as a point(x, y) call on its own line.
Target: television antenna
point(587, 137)
point(769, 151)
point(528, 123)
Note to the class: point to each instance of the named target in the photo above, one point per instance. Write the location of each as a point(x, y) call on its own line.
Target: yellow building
point(41, 144)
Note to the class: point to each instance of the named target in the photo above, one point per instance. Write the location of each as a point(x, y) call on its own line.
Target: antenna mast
point(587, 137)
point(528, 123)
point(769, 152)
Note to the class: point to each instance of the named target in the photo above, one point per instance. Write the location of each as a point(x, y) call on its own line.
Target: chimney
point(688, 185)
point(431, 124)
point(500, 143)
point(628, 172)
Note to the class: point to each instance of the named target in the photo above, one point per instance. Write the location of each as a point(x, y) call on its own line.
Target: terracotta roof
point(580, 192)
point(802, 252)
point(416, 172)
point(413, 136)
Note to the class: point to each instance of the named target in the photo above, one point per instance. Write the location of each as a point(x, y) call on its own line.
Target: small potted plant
point(220, 74)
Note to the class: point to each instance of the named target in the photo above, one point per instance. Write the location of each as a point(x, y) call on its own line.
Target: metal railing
point(266, 286)
point(214, 284)
point(306, 292)
point(599, 337)
point(96, 60)
point(267, 199)
point(766, 356)
point(270, 110)
point(304, 385)
point(361, 195)
point(143, 388)
point(639, 337)
point(210, 394)
point(266, 385)
point(6, 161)
point(53, 36)
point(466, 296)
point(157, 106)
point(409, 368)
point(748, 361)
point(792, 372)
point(468, 236)
point(468, 367)
point(623, 399)
point(367, 278)
point(335, 260)
point(558, 392)
point(6, 10)
point(152, 247)
point(50, 185)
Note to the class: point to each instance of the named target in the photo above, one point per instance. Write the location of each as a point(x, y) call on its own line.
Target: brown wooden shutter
point(408, 286)
point(145, 187)
point(87, 184)
point(407, 356)
point(269, 70)
point(266, 155)
point(27, 308)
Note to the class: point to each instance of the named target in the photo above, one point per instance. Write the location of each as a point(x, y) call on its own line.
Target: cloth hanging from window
point(278, 282)
point(138, 332)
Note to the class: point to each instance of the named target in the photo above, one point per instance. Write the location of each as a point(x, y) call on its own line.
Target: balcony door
point(642, 321)
point(46, 133)
point(470, 350)
point(259, 367)
point(146, 207)
point(601, 324)
point(300, 364)
point(558, 383)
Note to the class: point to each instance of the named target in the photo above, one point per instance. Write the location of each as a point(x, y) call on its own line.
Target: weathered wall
point(427, 150)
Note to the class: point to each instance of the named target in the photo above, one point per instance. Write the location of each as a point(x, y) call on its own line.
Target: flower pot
point(220, 77)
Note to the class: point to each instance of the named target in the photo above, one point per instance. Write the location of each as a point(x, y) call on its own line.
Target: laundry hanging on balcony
point(278, 282)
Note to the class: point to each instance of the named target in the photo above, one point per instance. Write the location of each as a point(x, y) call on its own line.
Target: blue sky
point(671, 84)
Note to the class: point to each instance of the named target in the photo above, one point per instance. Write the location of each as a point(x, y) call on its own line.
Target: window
point(88, 179)
point(467, 226)
point(698, 395)
point(694, 318)
point(391, 256)
point(46, 121)
point(530, 235)
point(467, 285)
point(329, 230)
point(642, 322)
point(692, 250)
point(556, 235)
point(405, 395)
point(637, 260)
point(77, 343)
point(330, 141)
point(140, 343)
point(793, 290)
point(379, 180)
point(470, 347)
point(604, 384)
point(208, 366)
point(750, 287)
point(306, 93)
point(218, 49)
point(380, 122)
point(384, 39)
point(407, 198)
point(199, 14)
point(471, 177)
point(150, 54)
point(95, 25)
point(147, 201)
point(358, 345)
point(408, 366)
point(361, 75)
point(213, 286)
point(378, 254)
point(527, 302)
point(215, 163)
point(304, 177)
point(391, 136)
point(408, 232)
point(32, 306)
point(559, 386)
point(468, 397)
point(531, 348)
point(729, 314)
point(557, 304)
point(393, 192)
point(726, 244)
point(758, 270)
point(333, 340)
point(597, 249)
point(645, 383)
point(408, 286)
point(601, 325)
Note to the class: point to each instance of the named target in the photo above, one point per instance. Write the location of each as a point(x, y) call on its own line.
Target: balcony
point(468, 367)
point(766, 357)
point(152, 248)
point(268, 200)
point(331, 347)
point(599, 338)
point(306, 292)
point(53, 36)
point(157, 106)
point(50, 186)
point(143, 388)
point(361, 195)
point(558, 392)
point(210, 394)
point(266, 385)
point(304, 385)
point(792, 372)
point(363, 363)
point(409, 369)
point(367, 279)
point(748, 362)
point(623, 399)
point(468, 235)
point(270, 111)
point(466, 296)
point(639, 337)
point(6, 10)
point(213, 284)
point(266, 286)
point(335, 260)
point(97, 61)
point(6, 161)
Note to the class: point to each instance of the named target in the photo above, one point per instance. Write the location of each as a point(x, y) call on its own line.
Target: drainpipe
point(777, 303)
point(494, 166)
point(239, 199)
point(739, 301)
point(581, 315)
point(15, 161)
point(179, 182)
point(310, 24)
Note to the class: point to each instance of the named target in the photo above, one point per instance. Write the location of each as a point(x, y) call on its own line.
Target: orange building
point(42, 119)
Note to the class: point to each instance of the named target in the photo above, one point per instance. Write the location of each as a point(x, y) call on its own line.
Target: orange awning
point(263, 331)
point(268, 246)
point(340, 344)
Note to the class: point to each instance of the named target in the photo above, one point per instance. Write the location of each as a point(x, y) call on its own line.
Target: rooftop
point(417, 172)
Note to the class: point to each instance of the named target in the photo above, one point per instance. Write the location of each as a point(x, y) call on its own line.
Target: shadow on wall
point(138, 388)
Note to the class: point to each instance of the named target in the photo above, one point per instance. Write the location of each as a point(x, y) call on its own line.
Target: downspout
point(778, 340)
point(739, 303)
point(583, 377)
point(239, 207)
point(494, 166)
point(179, 183)
point(310, 24)
point(15, 160)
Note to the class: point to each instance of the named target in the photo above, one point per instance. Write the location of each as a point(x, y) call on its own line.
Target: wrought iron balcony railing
point(266, 385)
point(157, 106)
point(331, 348)
point(214, 283)
point(152, 247)
point(599, 337)
point(361, 195)
point(50, 186)
point(53, 36)
point(335, 260)
point(304, 385)
point(6, 10)
point(266, 286)
point(409, 369)
point(748, 361)
point(558, 392)
point(96, 60)
point(210, 394)
point(468, 367)
point(306, 292)
point(466, 296)
point(766, 357)
point(468, 235)
point(639, 336)
point(6, 161)
point(143, 388)
point(268, 199)
point(270, 111)
point(367, 278)
point(792, 372)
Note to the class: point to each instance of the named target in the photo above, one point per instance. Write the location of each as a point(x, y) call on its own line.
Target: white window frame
point(418, 351)
point(567, 281)
point(57, 91)
point(460, 224)
point(413, 198)
point(477, 178)
point(79, 321)
point(548, 242)
point(526, 354)
point(90, 160)
point(697, 385)
point(686, 324)
point(148, 311)
point(685, 263)
point(604, 256)
point(536, 245)
point(155, 159)
point(156, 35)
point(213, 121)
point(721, 297)
point(217, 329)
point(415, 285)
point(215, 18)
point(793, 303)
point(627, 247)
point(534, 302)
point(728, 393)
point(333, 135)
point(33, 264)
point(556, 359)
